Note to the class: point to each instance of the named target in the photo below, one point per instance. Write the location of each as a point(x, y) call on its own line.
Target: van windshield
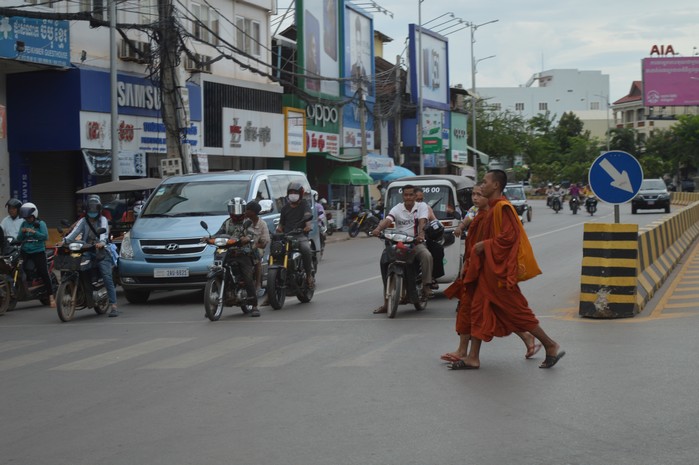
point(194, 198)
point(440, 198)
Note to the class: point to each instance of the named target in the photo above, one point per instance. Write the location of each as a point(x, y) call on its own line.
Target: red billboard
point(671, 81)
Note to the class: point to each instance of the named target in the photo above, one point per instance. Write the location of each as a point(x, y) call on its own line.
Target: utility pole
point(397, 118)
point(174, 106)
point(114, 105)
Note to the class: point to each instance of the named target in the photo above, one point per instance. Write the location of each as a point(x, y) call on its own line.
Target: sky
point(530, 36)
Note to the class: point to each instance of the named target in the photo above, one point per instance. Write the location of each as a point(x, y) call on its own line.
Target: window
point(247, 35)
point(97, 7)
point(497, 106)
point(149, 11)
point(205, 24)
point(543, 106)
point(519, 106)
point(594, 105)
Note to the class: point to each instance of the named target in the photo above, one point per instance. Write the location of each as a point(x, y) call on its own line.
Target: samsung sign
point(132, 95)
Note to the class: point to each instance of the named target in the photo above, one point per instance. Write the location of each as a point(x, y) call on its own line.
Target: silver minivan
point(163, 250)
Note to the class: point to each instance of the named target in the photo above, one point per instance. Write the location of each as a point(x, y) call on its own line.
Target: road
point(330, 383)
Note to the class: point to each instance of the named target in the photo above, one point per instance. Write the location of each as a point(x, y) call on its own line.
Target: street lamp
point(474, 28)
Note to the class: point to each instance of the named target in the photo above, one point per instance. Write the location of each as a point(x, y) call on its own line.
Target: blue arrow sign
point(615, 177)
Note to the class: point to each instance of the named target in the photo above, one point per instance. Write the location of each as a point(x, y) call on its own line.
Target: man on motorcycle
point(574, 192)
point(33, 235)
point(410, 217)
point(240, 228)
point(261, 237)
point(12, 222)
point(549, 194)
point(294, 215)
point(87, 228)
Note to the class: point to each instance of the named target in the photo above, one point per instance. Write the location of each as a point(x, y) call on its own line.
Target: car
point(652, 195)
point(518, 198)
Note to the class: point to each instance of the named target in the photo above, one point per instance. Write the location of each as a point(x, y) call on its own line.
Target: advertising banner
point(41, 41)
point(295, 132)
point(318, 39)
point(318, 141)
point(432, 121)
point(429, 67)
point(351, 121)
point(671, 81)
point(359, 53)
point(253, 133)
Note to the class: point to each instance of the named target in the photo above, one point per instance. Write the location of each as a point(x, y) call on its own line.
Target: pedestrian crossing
point(182, 353)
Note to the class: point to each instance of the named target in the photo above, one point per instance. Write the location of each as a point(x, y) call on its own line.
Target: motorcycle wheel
point(5, 295)
point(556, 207)
point(354, 229)
point(394, 288)
point(305, 294)
point(213, 298)
point(275, 289)
point(575, 209)
point(65, 300)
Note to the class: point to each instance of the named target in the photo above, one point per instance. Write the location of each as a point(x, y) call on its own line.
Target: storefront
point(59, 135)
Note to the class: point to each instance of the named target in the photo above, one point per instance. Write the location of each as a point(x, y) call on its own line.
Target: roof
point(459, 182)
point(635, 94)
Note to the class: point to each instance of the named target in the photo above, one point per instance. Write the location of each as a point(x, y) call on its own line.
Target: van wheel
point(136, 296)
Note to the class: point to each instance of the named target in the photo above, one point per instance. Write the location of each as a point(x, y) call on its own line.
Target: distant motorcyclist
point(549, 194)
point(12, 222)
point(294, 215)
point(574, 193)
point(239, 228)
point(87, 228)
point(33, 235)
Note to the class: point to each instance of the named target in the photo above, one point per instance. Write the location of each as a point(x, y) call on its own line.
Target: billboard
point(433, 73)
point(671, 81)
point(318, 25)
point(359, 53)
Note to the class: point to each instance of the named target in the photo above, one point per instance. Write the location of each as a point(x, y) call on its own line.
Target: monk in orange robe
point(498, 307)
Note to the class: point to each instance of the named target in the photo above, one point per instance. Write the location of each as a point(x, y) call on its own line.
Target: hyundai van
point(163, 250)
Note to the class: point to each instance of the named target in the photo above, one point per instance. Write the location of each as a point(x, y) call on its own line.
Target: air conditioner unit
point(126, 52)
point(191, 65)
point(170, 167)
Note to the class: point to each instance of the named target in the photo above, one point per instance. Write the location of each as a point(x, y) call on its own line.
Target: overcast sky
point(611, 36)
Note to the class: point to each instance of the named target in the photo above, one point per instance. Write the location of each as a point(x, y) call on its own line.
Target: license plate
point(171, 273)
point(651, 202)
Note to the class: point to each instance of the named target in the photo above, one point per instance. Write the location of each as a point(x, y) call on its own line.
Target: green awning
point(341, 158)
point(349, 176)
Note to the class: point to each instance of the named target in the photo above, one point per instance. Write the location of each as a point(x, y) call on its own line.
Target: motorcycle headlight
point(126, 251)
point(220, 241)
point(75, 247)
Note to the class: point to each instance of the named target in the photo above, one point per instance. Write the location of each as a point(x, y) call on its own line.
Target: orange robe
point(463, 311)
point(498, 307)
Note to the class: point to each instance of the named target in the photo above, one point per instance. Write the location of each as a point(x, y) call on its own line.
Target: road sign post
point(615, 178)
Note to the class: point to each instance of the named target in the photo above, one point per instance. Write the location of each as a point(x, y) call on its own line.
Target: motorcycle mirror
point(204, 225)
point(247, 223)
point(65, 223)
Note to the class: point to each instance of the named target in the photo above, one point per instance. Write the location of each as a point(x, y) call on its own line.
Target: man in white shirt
point(12, 222)
point(410, 218)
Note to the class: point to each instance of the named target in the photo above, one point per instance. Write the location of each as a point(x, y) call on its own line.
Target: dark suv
point(515, 194)
point(653, 195)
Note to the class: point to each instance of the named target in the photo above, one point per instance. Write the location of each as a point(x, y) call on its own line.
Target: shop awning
point(341, 158)
point(398, 172)
point(484, 158)
point(466, 169)
point(349, 176)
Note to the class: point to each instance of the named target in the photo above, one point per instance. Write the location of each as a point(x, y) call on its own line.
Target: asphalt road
point(330, 383)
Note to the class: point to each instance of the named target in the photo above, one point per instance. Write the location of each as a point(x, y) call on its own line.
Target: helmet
point(323, 202)
point(558, 186)
point(253, 206)
point(434, 230)
point(94, 204)
point(550, 184)
point(28, 209)
point(236, 206)
point(295, 186)
point(14, 203)
point(138, 207)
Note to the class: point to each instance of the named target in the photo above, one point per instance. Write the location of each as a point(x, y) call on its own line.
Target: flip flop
point(532, 351)
point(448, 357)
point(461, 365)
point(551, 360)
point(379, 310)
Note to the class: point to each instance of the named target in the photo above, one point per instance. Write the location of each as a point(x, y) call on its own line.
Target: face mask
point(293, 198)
point(93, 215)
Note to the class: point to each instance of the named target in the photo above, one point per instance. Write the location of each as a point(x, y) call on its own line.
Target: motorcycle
point(81, 281)
point(556, 202)
point(574, 204)
point(403, 278)
point(330, 226)
point(225, 286)
point(366, 221)
point(286, 275)
point(591, 204)
point(323, 229)
point(20, 281)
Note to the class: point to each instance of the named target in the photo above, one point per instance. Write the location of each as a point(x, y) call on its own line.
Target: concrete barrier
point(683, 198)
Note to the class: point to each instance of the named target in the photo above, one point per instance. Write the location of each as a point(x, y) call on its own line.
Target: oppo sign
point(320, 114)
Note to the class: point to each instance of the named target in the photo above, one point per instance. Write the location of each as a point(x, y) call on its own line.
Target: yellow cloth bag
point(527, 267)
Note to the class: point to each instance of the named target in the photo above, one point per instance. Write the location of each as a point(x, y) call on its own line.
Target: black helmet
point(295, 186)
point(14, 203)
point(236, 206)
point(253, 206)
point(434, 230)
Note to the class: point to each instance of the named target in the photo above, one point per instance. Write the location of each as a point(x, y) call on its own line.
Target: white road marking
point(47, 354)
point(287, 354)
point(206, 354)
point(14, 345)
point(325, 291)
point(119, 355)
point(373, 357)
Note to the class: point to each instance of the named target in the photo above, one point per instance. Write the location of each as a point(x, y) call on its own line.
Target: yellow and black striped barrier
point(609, 266)
point(683, 198)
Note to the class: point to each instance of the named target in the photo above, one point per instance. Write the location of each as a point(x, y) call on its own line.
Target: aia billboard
point(671, 81)
point(318, 23)
point(429, 68)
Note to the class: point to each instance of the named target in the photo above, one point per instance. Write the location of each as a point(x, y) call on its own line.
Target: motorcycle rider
point(12, 222)
point(33, 235)
point(295, 213)
point(435, 248)
point(87, 228)
point(574, 192)
point(261, 234)
point(557, 192)
point(410, 218)
point(240, 228)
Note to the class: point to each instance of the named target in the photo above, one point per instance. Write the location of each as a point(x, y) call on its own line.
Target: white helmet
point(323, 202)
point(28, 209)
point(236, 206)
point(138, 206)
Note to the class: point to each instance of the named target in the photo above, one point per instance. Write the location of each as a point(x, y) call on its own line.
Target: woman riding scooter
point(33, 235)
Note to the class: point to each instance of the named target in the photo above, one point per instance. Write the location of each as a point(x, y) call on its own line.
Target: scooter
point(574, 204)
point(591, 204)
point(556, 202)
point(404, 278)
point(20, 280)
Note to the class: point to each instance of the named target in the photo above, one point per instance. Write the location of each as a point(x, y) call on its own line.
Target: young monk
point(498, 307)
point(465, 291)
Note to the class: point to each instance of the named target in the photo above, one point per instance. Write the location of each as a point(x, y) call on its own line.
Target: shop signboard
point(319, 45)
point(432, 131)
point(295, 132)
point(253, 133)
point(42, 41)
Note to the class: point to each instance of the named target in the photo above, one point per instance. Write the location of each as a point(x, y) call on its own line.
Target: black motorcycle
point(366, 221)
point(19, 280)
point(574, 204)
point(404, 277)
point(81, 281)
point(591, 204)
point(225, 286)
point(286, 275)
point(556, 202)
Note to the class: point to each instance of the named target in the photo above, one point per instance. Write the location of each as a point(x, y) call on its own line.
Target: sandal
point(380, 309)
point(461, 365)
point(427, 293)
point(551, 360)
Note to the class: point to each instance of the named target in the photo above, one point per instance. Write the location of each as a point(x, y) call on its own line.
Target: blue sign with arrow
point(615, 177)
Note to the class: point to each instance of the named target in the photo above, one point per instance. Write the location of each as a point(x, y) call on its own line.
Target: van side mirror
point(267, 206)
